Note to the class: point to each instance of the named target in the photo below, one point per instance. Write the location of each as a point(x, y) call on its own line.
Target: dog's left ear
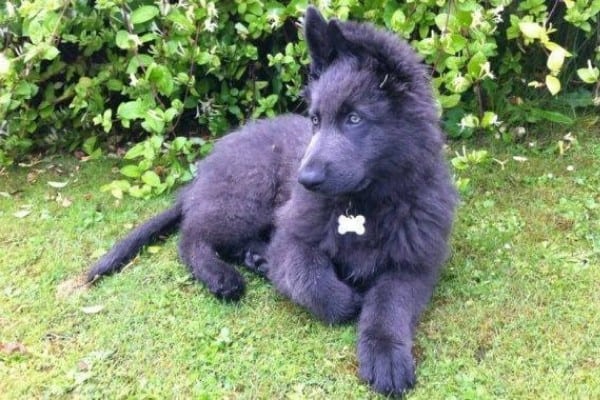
point(317, 39)
point(325, 41)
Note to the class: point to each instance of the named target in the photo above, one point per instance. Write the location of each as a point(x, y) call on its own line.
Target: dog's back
point(248, 174)
point(229, 207)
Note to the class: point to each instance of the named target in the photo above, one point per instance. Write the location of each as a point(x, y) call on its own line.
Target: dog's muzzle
point(311, 178)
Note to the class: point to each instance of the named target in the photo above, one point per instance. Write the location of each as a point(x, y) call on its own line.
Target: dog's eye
point(354, 118)
point(315, 120)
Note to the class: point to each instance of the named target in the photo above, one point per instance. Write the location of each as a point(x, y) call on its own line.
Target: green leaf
point(552, 116)
point(138, 192)
point(5, 65)
point(454, 43)
point(122, 40)
point(153, 249)
point(89, 145)
point(153, 124)
point(531, 30)
point(141, 60)
point(449, 101)
point(475, 65)
point(427, 46)
point(135, 152)
point(50, 52)
point(156, 141)
point(203, 58)
point(178, 143)
point(114, 84)
point(170, 113)
point(241, 30)
point(455, 63)
point(553, 84)
point(131, 171)
point(143, 14)
point(34, 31)
point(146, 163)
point(131, 110)
point(256, 8)
point(31, 51)
point(447, 22)
point(58, 185)
point(459, 84)
point(117, 192)
point(489, 119)
point(148, 37)
point(180, 20)
point(556, 60)
point(26, 89)
point(151, 178)
point(162, 78)
point(116, 188)
point(107, 120)
point(589, 74)
point(398, 19)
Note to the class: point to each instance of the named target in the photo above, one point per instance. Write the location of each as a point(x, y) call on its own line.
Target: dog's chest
point(356, 253)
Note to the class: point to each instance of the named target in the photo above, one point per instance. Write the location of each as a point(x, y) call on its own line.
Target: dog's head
point(367, 93)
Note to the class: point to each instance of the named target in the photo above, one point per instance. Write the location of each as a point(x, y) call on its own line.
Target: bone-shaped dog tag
point(351, 223)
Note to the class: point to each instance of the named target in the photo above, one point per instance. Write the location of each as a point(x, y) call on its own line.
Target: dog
point(346, 211)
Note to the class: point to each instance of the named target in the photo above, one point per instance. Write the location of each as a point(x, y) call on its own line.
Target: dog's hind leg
point(220, 278)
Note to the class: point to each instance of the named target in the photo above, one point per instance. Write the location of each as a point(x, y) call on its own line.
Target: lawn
point(515, 315)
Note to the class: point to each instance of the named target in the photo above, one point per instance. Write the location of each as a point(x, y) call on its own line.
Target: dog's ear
point(317, 39)
point(325, 42)
point(339, 43)
point(390, 76)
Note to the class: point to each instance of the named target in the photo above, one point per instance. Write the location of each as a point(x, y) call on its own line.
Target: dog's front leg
point(307, 277)
point(390, 312)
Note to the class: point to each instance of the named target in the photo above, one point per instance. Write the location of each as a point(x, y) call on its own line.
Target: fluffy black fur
point(271, 193)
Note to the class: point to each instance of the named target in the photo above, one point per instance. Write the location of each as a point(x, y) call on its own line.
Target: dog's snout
point(311, 178)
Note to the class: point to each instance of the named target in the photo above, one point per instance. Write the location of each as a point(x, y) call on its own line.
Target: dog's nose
point(310, 178)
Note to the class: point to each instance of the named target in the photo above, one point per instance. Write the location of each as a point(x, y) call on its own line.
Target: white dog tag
point(351, 223)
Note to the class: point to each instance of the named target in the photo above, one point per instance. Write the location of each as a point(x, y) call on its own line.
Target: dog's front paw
point(387, 366)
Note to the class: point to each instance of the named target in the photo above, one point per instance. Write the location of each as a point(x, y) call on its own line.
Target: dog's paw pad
point(230, 287)
point(255, 262)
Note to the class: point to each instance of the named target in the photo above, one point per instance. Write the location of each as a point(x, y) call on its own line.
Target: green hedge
point(93, 75)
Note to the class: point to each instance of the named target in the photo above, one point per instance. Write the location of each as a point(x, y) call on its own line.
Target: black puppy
point(346, 212)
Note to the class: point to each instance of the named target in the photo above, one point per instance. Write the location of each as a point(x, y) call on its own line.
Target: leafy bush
point(78, 74)
point(170, 76)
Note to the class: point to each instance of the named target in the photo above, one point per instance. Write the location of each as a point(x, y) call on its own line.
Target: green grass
point(516, 313)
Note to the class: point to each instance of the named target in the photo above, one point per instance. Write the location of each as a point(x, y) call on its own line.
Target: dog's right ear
point(317, 39)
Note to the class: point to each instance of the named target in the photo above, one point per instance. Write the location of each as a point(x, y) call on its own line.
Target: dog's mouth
point(324, 189)
point(363, 185)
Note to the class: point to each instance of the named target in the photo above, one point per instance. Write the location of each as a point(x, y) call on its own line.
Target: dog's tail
point(127, 248)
